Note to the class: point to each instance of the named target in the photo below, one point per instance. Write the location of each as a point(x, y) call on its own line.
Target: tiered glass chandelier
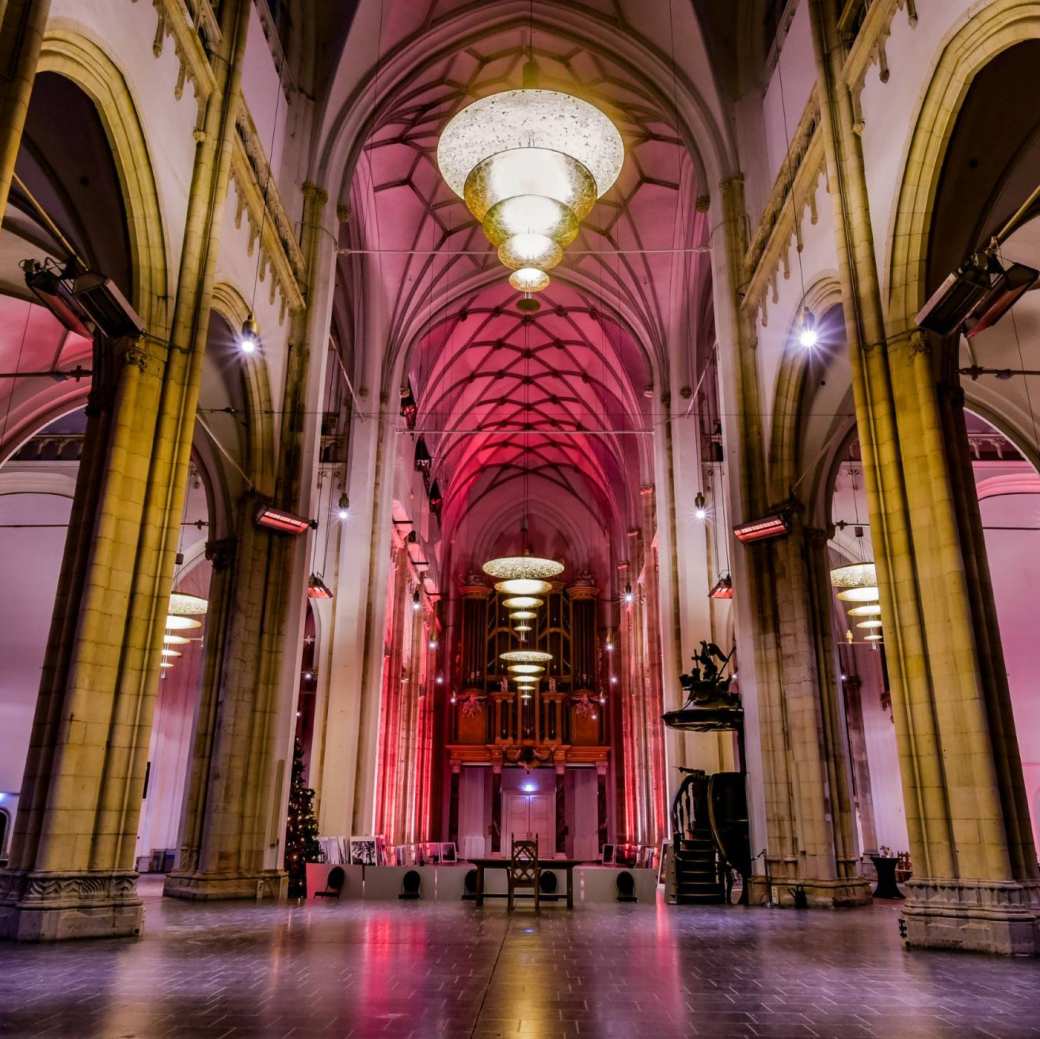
point(522, 579)
point(857, 585)
point(182, 616)
point(529, 165)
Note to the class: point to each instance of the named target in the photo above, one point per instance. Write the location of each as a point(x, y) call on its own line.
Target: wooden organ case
point(565, 722)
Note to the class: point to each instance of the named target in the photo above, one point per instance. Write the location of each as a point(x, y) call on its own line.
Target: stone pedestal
point(46, 907)
point(972, 916)
point(205, 887)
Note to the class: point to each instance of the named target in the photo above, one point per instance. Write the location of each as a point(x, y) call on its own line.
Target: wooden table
point(567, 865)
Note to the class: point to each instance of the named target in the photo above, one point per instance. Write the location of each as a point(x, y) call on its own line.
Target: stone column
point(453, 802)
point(975, 882)
point(852, 690)
point(72, 864)
point(496, 807)
point(21, 35)
point(561, 809)
point(601, 803)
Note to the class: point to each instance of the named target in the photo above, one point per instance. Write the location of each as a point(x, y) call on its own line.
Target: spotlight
point(808, 337)
point(440, 679)
point(613, 679)
point(416, 602)
point(249, 337)
point(433, 643)
point(609, 647)
point(698, 507)
point(629, 597)
point(343, 508)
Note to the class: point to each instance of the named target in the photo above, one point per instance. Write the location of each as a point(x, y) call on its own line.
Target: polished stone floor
point(437, 969)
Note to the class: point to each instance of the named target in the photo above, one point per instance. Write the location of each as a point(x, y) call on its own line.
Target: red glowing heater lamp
point(723, 588)
point(317, 588)
point(284, 522)
point(767, 528)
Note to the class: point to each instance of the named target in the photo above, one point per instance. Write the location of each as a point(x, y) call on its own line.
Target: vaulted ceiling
point(558, 406)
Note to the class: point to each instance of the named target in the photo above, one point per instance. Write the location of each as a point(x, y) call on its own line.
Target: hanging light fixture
point(529, 165)
point(526, 656)
point(175, 640)
point(175, 622)
point(523, 602)
point(523, 615)
point(522, 628)
point(171, 653)
point(525, 669)
point(523, 586)
point(870, 610)
point(856, 582)
point(531, 567)
point(182, 605)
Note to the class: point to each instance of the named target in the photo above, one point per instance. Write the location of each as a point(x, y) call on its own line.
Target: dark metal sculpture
point(707, 684)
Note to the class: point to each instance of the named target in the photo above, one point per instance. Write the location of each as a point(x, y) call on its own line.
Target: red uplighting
point(764, 529)
point(282, 521)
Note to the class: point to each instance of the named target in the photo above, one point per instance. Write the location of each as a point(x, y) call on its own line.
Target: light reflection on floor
point(444, 969)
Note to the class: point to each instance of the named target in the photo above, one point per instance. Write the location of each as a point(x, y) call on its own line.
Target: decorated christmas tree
point(301, 829)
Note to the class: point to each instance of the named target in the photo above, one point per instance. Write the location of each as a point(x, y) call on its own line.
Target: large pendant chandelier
point(529, 165)
point(515, 567)
point(856, 584)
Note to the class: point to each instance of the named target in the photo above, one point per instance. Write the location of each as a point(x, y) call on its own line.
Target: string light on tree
point(301, 828)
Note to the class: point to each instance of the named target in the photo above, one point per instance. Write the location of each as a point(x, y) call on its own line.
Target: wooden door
point(530, 815)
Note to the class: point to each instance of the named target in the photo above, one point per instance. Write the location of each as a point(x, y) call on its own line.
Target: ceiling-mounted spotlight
point(249, 336)
point(699, 506)
point(416, 601)
point(343, 508)
point(629, 596)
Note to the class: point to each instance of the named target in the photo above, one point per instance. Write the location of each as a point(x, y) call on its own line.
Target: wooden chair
point(524, 871)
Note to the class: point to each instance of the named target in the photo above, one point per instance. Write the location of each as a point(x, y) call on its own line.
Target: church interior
point(516, 518)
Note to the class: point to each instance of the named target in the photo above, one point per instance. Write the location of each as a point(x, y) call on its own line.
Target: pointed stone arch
point(69, 53)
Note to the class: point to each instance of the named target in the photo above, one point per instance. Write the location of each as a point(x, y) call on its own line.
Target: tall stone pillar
point(561, 809)
point(602, 816)
point(798, 769)
point(21, 36)
point(496, 807)
point(71, 871)
point(975, 883)
point(453, 802)
point(852, 690)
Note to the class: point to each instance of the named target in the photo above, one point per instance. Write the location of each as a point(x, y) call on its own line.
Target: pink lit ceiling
point(502, 398)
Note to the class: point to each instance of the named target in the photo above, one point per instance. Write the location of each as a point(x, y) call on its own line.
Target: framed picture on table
point(363, 851)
